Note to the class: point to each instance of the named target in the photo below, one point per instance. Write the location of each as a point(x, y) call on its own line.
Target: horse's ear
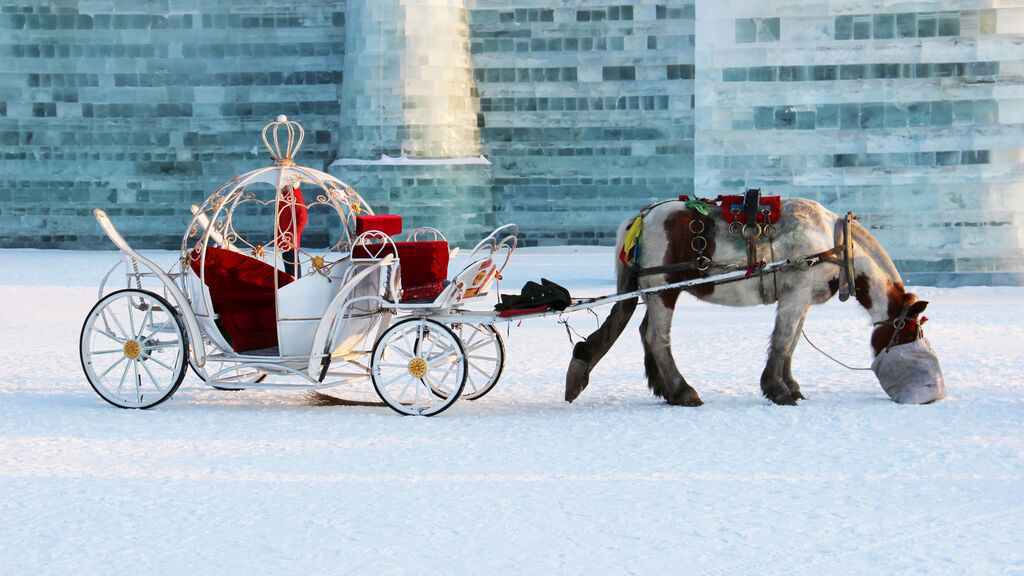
point(917, 307)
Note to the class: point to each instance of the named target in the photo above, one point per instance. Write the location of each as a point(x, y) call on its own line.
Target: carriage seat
point(424, 263)
point(242, 290)
point(424, 266)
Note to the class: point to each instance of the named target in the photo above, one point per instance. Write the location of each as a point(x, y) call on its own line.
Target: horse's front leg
point(662, 374)
point(777, 382)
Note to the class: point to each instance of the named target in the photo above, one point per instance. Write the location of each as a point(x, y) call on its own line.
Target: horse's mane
point(865, 241)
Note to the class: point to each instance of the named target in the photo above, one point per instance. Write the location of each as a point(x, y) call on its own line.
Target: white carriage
point(248, 305)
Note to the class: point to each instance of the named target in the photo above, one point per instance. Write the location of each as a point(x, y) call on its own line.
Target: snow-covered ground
point(215, 482)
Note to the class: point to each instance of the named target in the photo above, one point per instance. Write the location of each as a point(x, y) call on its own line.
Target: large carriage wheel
point(418, 366)
point(134, 349)
point(485, 356)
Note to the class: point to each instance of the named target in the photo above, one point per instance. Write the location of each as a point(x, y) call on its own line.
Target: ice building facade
point(562, 117)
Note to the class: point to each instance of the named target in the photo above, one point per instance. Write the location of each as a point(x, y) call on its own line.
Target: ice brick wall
point(910, 115)
point(586, 110)
point(141, 108)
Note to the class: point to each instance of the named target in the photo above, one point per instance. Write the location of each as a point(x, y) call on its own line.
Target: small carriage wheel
point(485, 358)
point(134, 349)
point(418, 366)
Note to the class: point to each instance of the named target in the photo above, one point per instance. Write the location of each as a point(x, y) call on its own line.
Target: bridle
point(898, 324)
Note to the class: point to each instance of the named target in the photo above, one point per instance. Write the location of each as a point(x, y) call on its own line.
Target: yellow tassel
point(631, 240)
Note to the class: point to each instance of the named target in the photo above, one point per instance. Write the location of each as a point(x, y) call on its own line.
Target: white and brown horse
point(805, 228)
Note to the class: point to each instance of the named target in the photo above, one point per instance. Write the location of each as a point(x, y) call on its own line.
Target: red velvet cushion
point(242, 290)
point(389, 224)
point(424, 266)
point(772, 202)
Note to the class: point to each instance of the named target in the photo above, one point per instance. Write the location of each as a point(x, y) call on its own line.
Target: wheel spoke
point(446, 350)
point(110, 335)
point(152, 378)
point(118, 324)
point(476, 346)
point(148, 357)
point(393, 380)
point(403, 353)
point(438, 386)
point(433, 344)
point(112, 366)
point(124, 375)
point(479, 369)
point(118, 351)
point(138, 383)
point(131, 318)
point(445, 370)
point(416, 398)
point(159, 328)
point(148, 317)
point(408, 345)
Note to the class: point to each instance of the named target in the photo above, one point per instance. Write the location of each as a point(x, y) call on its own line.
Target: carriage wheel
point(485, 357)
point(134, 349)
point(416, 361)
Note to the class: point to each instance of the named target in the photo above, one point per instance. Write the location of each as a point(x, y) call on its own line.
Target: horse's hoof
point(691, 400)
point(576, 379)
point(786, 401)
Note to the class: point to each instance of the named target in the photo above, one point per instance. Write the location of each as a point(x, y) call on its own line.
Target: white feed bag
point(910, 373)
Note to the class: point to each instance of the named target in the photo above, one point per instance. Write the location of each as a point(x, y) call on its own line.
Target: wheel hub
point(132, 349)
point(417, 367)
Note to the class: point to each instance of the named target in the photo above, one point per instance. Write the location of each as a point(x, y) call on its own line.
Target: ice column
point(409, 141)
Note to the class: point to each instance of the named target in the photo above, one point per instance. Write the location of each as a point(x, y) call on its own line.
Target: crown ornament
point(283, 156)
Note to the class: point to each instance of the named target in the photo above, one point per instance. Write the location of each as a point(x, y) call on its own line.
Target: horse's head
point(905, 364)
point(903, 325)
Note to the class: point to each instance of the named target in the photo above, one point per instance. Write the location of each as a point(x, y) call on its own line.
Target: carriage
point(251, 307)
point(248, 305)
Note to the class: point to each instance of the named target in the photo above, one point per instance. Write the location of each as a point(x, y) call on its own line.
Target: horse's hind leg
point(662, 375)
point(777, 381)
point(787, 368)
point(651, 369)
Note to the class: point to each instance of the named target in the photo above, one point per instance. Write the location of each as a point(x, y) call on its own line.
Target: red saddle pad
point(774, 203)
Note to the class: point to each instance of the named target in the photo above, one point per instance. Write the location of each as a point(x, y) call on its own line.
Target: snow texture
point(618, 482)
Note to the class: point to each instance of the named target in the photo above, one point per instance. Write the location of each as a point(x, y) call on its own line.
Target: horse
point(676, 233)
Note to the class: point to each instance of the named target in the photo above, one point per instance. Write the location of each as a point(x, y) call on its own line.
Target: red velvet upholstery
point(772, 202)
point(424, 266)
point(242, 290)
point(284, 217)
point(389, 224)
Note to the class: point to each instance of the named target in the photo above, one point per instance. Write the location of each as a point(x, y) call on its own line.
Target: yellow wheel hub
point(417, 367)
point(132, 349)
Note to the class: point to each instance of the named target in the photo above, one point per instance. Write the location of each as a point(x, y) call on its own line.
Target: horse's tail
point(589, 352)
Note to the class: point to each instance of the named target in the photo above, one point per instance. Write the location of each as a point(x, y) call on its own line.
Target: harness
point(750, 217)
